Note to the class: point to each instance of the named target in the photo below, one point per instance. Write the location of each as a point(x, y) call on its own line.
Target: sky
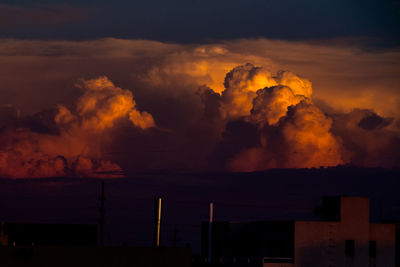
point(90, 88)
point(193, 100)
point(202, 21)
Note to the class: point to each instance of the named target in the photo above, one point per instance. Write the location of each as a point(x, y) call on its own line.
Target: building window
point(372, 249)
point(350, 247)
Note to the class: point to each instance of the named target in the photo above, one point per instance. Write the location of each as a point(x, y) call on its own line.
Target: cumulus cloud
point(271, 104)
point(213, 111)
point(242, 83)
point(76, 149)
point(310, 143)
point(103, 103)
point(292, 131)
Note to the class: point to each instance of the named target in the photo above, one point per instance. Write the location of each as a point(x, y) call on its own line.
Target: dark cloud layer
point(374, 122)
point(23, 18)
point(199, 21)
point(369, 138)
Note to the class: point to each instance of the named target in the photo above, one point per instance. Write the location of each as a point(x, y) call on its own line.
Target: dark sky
point(199, 21)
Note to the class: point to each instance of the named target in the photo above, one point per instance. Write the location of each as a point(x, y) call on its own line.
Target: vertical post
point(101, 220)
point(157, 221)
point(175, 237)
point(210, 231)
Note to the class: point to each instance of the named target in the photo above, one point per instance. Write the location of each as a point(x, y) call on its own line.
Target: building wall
point(384, 235)
point(317, 244)
point(354, 225)
point(323, 243)
point(320, 244)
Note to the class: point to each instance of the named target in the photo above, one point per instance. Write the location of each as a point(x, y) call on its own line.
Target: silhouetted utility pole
point(175, 238)
point(101, 220)
point(157, 221)
point(210, 231)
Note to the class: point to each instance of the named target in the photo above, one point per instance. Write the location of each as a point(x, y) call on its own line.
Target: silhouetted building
point(23, 234)
point(397, 244)
point(95, 256)
point(76, 245)
point(344, 237)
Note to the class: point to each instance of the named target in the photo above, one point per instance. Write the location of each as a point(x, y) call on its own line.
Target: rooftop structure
point(344, 237)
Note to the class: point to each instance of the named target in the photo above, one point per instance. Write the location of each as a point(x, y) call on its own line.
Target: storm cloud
point(241, 105)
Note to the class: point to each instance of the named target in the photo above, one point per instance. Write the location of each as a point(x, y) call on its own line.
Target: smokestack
point(157, 221)
point(101, 220)
point(210, 231)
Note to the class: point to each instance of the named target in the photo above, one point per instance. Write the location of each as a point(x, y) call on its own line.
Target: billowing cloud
point(310, 143)
point(242, 83)
point(271, 104)
point(76, 149)
point(292, 131)
point(103, 103)
point(302, 139)
point(239, 105)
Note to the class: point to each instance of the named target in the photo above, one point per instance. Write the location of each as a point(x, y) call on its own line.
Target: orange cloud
point(193, 123)
point(76, 150)
point(301, 130)
point(310, 142)
point(103, 103)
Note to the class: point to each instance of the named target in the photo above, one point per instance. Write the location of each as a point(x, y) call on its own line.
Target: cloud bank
point(243, 105)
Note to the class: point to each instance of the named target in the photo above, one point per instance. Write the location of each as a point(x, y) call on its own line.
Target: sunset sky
point(90, 88)
point(242, 103)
